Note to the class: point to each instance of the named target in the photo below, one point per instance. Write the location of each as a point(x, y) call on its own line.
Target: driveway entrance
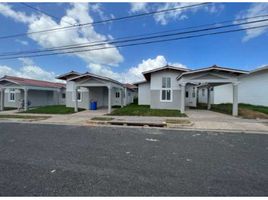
point(206, 119)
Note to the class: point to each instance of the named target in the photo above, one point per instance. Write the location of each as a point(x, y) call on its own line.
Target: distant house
point(175, 88)
point(30, 92)
point(81, 89)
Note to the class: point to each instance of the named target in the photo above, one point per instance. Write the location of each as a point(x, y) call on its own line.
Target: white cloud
point(179, 14)
point(134, 74)
point(138, 7)
point(77, 14)
point(28, 70)
point(254, 10)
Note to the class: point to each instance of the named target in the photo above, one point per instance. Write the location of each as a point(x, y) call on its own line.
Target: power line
point(133, 36)
point(112, 42)
point(103, 21)
point(142, 43)
point(45, 13)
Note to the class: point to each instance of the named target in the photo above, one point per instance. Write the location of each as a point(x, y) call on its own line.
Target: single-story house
point(15, 91)
point(175, 88)
point(252, 87)
point(81, 89)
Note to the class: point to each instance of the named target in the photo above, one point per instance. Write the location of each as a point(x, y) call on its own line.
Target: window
point(203, 92)
point(79, 95)
point(193, 94)
point(186, 94)
point(63, 95)
point(11, 95)
point(117, 94)
point(166, 89)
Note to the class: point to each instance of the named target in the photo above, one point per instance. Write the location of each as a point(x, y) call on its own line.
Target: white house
point(81, 89)
point(252, 87)
point(175, 88)
point(16, 90)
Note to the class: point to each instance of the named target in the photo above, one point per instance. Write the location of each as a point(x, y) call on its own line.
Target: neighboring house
point(175, 88)
point(16, 90)
point(132, 92)
point(81, 89)
point(252, 87)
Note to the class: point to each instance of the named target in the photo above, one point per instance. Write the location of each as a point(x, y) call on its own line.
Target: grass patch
point(245, 110)
point(55, 109)
point(144, 110)
point(102, 118)
point(23, 117)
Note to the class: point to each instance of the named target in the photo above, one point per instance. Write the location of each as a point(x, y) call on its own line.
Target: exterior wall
point(156, 86)
point(253, 89)
point(36, 98)
point(157, 104)
point(224, 94)
point(144, 95)
point(130, 96)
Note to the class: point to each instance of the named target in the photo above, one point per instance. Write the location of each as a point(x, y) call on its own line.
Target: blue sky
point(241, 50)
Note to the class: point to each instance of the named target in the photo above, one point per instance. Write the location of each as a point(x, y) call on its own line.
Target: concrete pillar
point(2, 99)
point(182, 98)
point(208, 100)
point(235, 99)
point(121, 98)
point(75, 100)
point(25, 99)
point(126, 96)
point(109, 99)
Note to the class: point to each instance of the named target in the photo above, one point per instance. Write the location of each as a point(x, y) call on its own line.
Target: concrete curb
point(137, 127)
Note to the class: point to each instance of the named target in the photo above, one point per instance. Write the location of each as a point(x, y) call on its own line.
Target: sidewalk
point(199, 120)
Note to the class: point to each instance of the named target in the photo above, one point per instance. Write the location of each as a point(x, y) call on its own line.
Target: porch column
point(121, 98)
point(126, 96)
point(25, 99)
point(208, 100)
point(235, 99)
point(109, 99)
point(2, 99)
point(182, 98)
point(75, 100)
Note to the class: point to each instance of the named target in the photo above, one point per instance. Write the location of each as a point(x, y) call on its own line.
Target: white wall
point(156, 79)
point(253, 89)
point(223, 94)
point(144, 94)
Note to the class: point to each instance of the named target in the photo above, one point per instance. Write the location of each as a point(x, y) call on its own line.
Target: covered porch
point(209, 78)
point(106, 92)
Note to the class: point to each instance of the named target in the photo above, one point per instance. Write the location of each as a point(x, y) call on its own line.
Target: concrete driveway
point(205, 119)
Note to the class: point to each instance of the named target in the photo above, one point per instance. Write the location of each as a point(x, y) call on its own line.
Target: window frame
point(164, 87)
point(117, 96)
point(12, 91)
point(78, 91)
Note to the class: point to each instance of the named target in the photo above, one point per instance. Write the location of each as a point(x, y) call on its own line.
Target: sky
point(245, 50)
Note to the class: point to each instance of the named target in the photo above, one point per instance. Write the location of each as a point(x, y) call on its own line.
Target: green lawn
point(22, 117)
point(245, 110)
point(142, 110)
point(55, 109)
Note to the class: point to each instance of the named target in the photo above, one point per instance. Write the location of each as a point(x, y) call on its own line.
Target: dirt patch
point(251, 114)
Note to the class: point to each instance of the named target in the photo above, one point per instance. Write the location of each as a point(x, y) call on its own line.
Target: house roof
point(139, 82)
point(68, 75)
point(130, 86)
point(147, 74)
point(214, 68)
point(259, 69)
point(32, 82)
point(88, 74)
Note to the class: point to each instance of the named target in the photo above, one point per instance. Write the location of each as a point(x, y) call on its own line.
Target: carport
point(210, 77)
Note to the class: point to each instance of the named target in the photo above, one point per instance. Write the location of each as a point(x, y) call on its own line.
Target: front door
point(190, 96)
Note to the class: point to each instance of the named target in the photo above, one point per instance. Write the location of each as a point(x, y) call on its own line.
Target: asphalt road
point(53, 160)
